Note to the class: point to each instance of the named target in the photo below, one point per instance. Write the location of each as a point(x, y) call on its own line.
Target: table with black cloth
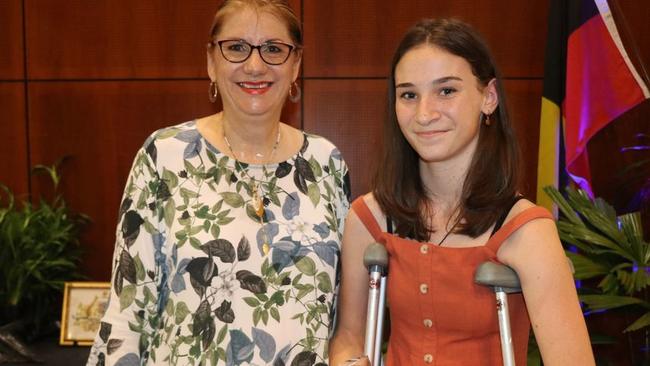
point(53, 354)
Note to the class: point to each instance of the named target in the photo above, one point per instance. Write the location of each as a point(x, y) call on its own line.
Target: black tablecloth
point(52, 354)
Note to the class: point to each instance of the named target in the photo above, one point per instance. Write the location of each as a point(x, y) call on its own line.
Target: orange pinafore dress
point(438, 315)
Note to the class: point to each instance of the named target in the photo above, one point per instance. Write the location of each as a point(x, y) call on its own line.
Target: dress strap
point(518, 221)
point(360, 207)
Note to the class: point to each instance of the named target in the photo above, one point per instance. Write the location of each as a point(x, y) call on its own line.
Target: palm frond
point(586, 268)
point(640, 323)
point(603, 302)
point(611, 251)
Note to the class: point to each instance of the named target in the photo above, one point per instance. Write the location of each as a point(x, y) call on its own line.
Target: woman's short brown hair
point(279, 8)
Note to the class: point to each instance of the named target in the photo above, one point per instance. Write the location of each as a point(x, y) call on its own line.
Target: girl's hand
point(357, 361)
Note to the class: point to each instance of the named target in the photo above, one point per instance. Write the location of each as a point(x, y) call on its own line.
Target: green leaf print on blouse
point(243, 249)
point(203, 324)
point(127, 267)
point(265, 343)
point(131, 227)
point(221, 248)
point(240, 349)
point(224, 312)
point(194, 142)
point(302, 174)
point(251, 282)
point(201, 271)
point(283, 169)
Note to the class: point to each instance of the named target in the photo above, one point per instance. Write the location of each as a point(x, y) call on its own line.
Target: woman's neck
point(250, 140)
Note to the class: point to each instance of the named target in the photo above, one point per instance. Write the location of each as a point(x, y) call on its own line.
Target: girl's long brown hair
point(493, 177)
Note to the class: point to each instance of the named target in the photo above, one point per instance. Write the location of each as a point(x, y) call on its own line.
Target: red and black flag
point(588, 82)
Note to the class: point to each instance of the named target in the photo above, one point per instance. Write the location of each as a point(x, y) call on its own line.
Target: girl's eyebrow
point(441, 80)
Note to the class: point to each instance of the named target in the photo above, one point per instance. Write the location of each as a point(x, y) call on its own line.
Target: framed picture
point(84, 304)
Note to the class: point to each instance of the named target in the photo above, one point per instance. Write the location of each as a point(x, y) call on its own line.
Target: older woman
point(230, 226)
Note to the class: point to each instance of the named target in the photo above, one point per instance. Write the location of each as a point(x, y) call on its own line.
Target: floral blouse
point(220, 262)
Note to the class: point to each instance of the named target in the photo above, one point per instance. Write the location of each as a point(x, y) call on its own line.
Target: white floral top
point(203, 274)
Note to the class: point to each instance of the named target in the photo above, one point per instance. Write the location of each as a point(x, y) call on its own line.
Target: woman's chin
point(258, 108)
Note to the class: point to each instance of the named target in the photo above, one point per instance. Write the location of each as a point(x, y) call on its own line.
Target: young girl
point(446, 199)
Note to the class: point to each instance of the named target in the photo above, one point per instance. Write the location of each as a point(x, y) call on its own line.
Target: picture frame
point(84, 304)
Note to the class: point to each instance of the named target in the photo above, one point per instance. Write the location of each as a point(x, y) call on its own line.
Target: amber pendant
point(258, 202)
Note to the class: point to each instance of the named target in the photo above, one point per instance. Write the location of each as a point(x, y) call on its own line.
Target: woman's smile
point(255, 87)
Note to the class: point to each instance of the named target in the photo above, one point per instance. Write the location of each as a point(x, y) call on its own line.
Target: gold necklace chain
point(257, 197)
point(257, 155)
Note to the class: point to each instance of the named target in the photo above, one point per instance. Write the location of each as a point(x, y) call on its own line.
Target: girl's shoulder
point(528, 225)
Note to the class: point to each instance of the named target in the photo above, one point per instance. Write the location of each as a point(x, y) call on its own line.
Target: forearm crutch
point(503, 280)
point(375, 258)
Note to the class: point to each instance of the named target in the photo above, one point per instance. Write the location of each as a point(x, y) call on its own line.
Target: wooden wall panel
point(13, 139)
point(350, 114)
point(117, 38)
point(11, 40)
point(357, 38)
point(524, 98)
point(632, 22)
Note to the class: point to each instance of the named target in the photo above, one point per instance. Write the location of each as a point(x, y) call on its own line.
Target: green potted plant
point(39, 251)
point(612, 257)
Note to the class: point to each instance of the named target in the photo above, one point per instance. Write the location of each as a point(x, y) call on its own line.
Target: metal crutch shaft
point(507, 350)
point(375, 258)
point(503, 280)
point(372, 314)
point(380, 322)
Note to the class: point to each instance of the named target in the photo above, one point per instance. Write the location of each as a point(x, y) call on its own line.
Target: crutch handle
point(497, 275)
point(375, 255)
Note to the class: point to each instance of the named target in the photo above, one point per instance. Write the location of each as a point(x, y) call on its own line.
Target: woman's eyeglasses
point(238, 51)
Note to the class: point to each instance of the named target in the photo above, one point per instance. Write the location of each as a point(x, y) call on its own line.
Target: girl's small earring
point(213, 92)
point(487, 120)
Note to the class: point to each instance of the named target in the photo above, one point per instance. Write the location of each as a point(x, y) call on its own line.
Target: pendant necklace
point(456, 222)
point(257, 197)
point(448, 232)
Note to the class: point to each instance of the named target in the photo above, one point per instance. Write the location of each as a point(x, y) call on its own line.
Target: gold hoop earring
point(294, 95)
point(213, 92)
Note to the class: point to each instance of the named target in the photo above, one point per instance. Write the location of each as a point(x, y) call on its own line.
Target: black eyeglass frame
point(252, 48)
